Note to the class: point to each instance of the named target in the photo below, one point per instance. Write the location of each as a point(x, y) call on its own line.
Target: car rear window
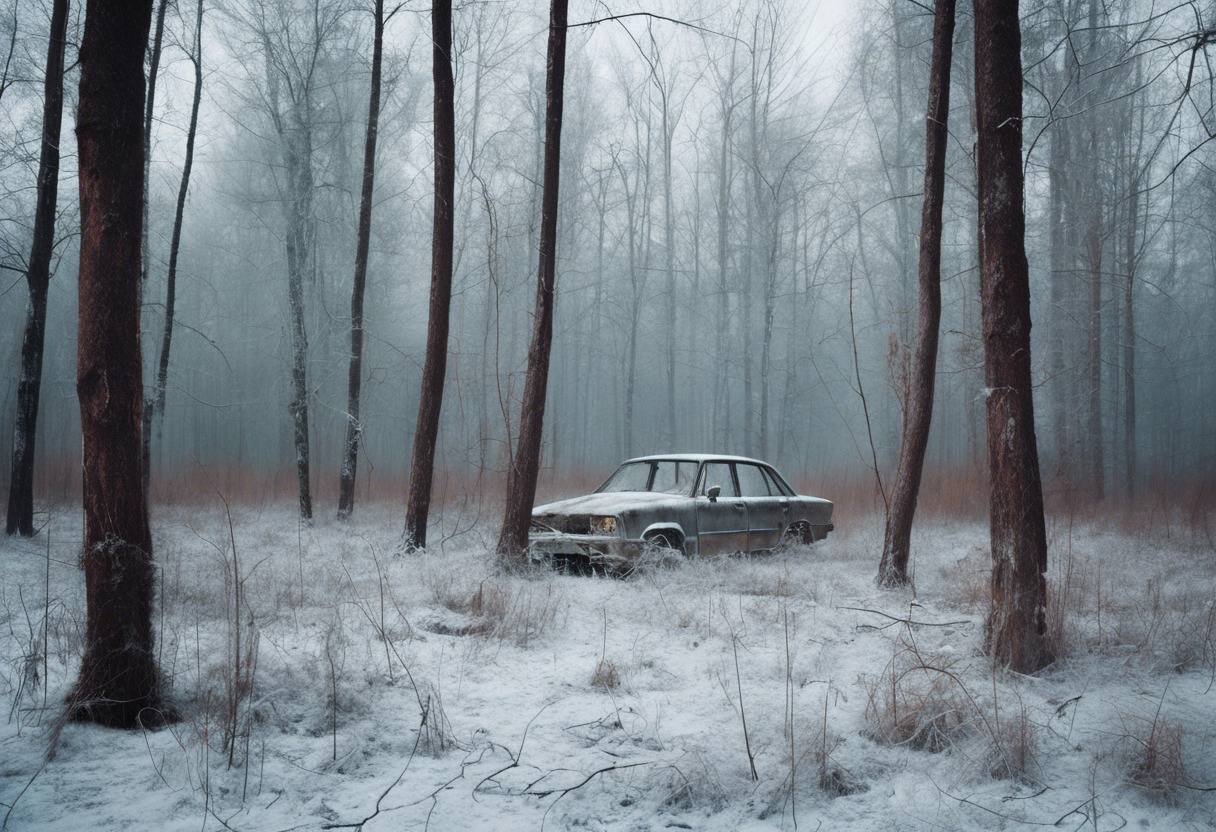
point(751, 481)
point(718, 473)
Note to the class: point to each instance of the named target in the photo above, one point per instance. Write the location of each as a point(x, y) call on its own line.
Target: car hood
point(614, 503)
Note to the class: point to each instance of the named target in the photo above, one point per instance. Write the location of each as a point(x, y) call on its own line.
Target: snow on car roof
point(696, 458)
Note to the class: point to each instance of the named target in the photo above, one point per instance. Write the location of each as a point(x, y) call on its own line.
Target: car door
point(722, 524)
point(767, 510)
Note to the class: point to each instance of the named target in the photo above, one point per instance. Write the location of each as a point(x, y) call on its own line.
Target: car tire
point(662, 548)
point(798, 534)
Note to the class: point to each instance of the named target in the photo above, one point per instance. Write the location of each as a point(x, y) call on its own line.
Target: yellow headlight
point(603, 525)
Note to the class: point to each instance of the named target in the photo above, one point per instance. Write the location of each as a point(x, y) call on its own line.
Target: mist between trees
point(737, 238)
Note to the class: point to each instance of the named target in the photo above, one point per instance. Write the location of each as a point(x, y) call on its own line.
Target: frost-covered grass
point(431, 691)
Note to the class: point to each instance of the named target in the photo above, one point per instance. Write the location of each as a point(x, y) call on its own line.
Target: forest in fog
point(737, 237)
point(277, 275)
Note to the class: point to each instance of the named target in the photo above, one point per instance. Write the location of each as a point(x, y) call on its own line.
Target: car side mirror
point(714, 491)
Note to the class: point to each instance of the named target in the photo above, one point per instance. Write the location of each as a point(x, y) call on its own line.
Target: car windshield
point(670, 476)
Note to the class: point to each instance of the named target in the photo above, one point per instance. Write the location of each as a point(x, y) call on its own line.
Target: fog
point(737, 243)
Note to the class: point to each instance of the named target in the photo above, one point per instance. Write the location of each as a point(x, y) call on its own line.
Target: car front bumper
point(603, 551)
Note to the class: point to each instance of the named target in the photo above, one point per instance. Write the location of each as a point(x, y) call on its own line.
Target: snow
point(562, 702)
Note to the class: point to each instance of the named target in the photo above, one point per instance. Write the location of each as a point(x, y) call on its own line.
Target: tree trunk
point(119, 680)
point(893, 568)
point(721, 428)
point(521, 478)
point(1016, 628)
point(156, 410)
point(38, 277)
point(418, 502)
point(1061, 268)
point(669, 257)
point(1093, 249)
point(149, 106)
point(354, 428)
point(1129, 337)
point(296, 137)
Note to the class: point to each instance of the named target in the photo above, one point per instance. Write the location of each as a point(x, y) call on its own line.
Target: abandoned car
point(695, 504)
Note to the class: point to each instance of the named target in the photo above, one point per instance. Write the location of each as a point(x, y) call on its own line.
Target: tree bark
point(20, 517)
point(1016, 627)
point(422, 468)
point(893, 568)
point(521, 478)
point(354, 428)
point(119, 680)
point(156, 409)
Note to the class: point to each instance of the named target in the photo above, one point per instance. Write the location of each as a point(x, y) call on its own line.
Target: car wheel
point(662, 549)
point(798, 534)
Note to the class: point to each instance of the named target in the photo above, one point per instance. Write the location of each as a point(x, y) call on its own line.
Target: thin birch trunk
point(354, 427)
point(155, 411)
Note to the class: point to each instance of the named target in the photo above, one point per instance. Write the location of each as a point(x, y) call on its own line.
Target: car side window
point(751, 481)
point(717, 473)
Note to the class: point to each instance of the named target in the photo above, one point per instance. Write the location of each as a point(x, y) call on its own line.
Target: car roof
point(697, 458)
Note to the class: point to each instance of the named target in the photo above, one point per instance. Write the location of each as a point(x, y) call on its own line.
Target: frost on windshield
point(668, 476)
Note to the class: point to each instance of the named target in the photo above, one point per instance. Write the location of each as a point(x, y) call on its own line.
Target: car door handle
point(740, 505)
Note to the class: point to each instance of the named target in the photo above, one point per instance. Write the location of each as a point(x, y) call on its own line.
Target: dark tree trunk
point(156, 409)
point(893, 569)
point(1017, 620)
point(422, 468)
point(521, 478)
point(119, 681)
point(350, 458)
point(38, 277)
point(153, 73)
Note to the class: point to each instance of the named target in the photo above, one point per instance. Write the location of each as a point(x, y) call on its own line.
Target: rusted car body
point(696, 504)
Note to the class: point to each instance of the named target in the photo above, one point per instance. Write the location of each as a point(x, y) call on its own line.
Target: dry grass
point(915, 702)
point(508, 609)
point(606, 675)
point(1012, 745)
point(1151, 751)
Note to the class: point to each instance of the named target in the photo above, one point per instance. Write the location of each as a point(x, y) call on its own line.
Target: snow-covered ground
point(428, 691)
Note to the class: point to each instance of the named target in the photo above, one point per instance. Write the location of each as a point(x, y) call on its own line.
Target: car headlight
point(603, 525)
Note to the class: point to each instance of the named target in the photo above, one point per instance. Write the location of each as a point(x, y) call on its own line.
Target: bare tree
point(119, 680)
point(155, 410)
point(521, 478)
point(893, 568)
point(154, 52)
point(295, 39)
point(422, 467)
point(38, 277)
point(354, 428)
point(1017, 620)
